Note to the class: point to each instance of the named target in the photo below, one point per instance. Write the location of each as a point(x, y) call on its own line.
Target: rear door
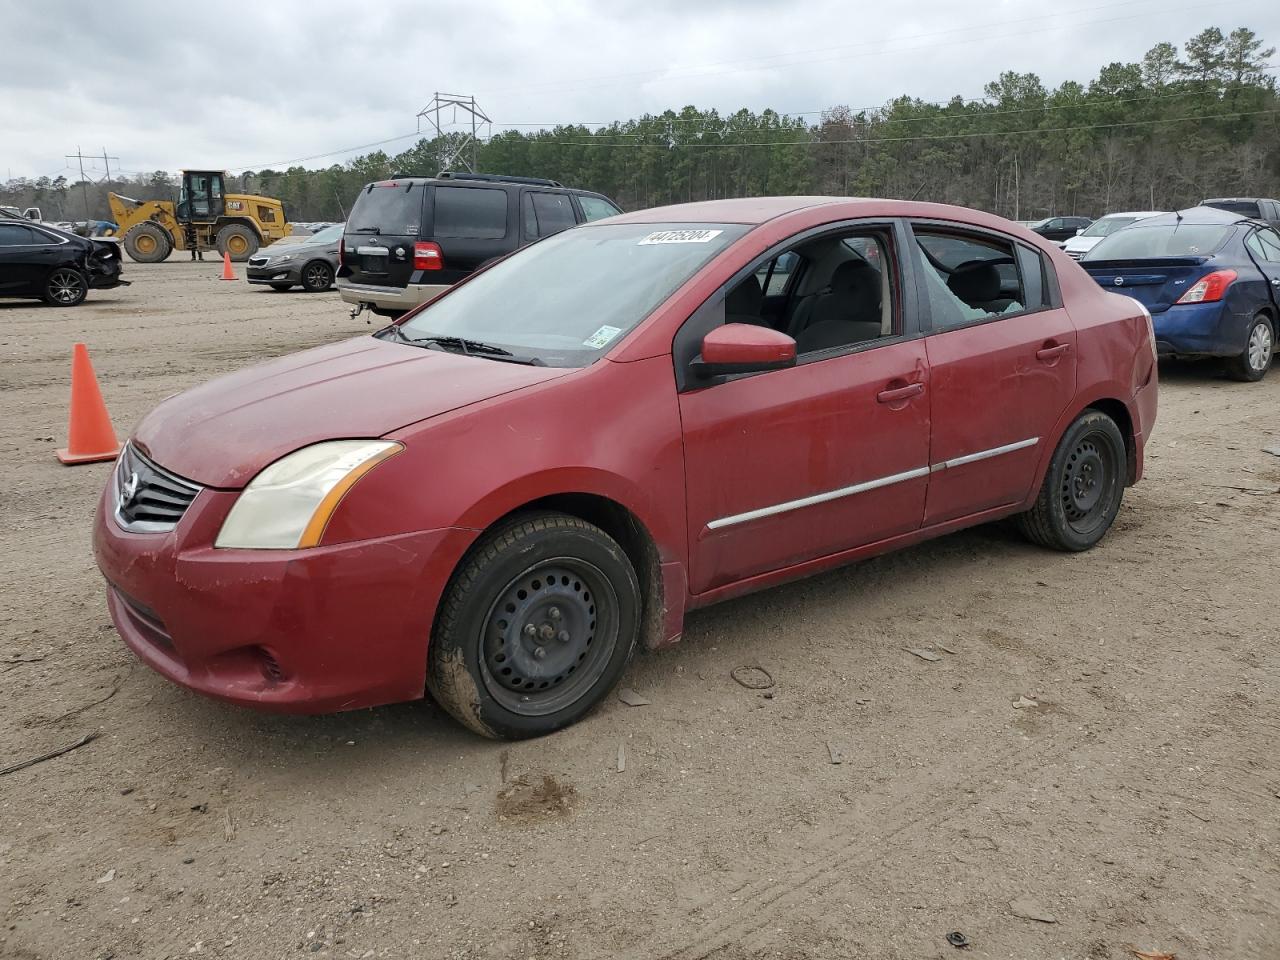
point(1264, 248)
point(1002, 361)
point(544, 213)
point(23, 262)
point(385, 223)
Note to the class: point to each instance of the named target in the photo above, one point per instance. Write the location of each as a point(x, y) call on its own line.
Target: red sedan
point(498, 497)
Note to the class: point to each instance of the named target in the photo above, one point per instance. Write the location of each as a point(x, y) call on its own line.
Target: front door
point(791, 465)
point(1002, 359)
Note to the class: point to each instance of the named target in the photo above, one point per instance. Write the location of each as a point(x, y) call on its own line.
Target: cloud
point(165, 85)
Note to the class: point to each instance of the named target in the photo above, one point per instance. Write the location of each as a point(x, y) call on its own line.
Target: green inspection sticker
point(601, 337)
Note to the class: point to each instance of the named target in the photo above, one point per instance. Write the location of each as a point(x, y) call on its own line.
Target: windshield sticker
point(601, 337)
point(681, 236)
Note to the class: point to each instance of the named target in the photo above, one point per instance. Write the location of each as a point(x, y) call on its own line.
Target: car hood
point(220, 434)
point(1081, 243)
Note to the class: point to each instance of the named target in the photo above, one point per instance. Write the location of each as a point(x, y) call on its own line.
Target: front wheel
point(535, 628)
point(1083, 487)
point(1259, 348)
point(66, 287)
point(238, 241)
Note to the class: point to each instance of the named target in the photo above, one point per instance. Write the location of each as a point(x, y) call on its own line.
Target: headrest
point(975, 283)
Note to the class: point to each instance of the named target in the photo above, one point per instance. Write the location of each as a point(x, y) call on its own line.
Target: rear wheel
point(148, 243)
point(1083, 487)
point(317, 276)
point(66, 287)
point(1259, 349)
point(536, 627)
point(237, 240)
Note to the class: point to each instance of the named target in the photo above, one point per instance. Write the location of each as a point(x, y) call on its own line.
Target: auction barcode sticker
point(681, 236)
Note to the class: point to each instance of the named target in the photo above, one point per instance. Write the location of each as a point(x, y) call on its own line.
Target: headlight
point(289, 503)
point(284, 258)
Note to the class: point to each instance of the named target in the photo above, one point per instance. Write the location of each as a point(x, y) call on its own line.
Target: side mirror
point(744, 348)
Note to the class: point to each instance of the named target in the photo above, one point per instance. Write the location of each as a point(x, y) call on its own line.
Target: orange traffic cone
point(227, 272)
point(90, 436)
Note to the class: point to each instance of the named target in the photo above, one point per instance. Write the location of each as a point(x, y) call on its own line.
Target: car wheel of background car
point(237, 240)
point(1259, 349)
point(66, 287)
point(536, 626)
point(317, 276)
point(1083, 487)
point(148, 243)
point(282, 287)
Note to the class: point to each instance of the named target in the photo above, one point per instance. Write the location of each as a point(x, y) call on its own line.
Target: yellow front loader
point(236, 224)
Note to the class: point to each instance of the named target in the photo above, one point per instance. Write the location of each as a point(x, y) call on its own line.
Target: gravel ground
point(1090, 764)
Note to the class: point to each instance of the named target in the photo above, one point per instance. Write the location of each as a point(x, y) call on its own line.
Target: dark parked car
point(1259, 208)
point(41, 262)
point(1059, 229)
point(409, 239)
point(1210, 278)
point(502, 496)
point(308, 261)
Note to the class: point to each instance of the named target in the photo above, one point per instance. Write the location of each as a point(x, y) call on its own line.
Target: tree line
point(1162, 133)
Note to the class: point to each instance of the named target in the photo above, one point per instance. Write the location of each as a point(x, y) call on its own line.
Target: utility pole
point(469, 106)
point(84, 180)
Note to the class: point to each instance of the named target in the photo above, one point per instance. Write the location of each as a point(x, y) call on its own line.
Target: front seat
point(848, 313)
point(744, 303)
point(977, 283)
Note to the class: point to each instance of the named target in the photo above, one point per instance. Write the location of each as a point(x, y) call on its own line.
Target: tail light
point(342, 250)
point(427, 256)
point(1210, 288)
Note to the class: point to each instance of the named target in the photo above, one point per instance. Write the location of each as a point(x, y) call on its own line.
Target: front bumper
point(301, 631)
point(1200, 330)
point(284, 273)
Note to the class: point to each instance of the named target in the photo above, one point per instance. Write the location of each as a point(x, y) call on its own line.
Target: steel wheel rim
point(237, 244)
point(1260, 345)
point(146, 243)
point(65, 286)
point(1088, 483)
point(561, 596)
point(317, 276)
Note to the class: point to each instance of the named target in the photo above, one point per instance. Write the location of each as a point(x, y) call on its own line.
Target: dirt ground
point(1132, 796)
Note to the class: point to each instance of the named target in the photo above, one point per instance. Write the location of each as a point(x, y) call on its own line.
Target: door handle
point(895, 394)
point(1047, 354)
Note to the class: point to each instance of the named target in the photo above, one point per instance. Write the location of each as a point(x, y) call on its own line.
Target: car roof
point(1202, 216)
point(745, 210)
point(1236, 200)
point(1133, 213)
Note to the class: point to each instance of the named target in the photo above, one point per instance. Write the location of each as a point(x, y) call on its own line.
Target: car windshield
point(1107, 226)
point(327, 235)
point(565, 300)
point(1165, 240)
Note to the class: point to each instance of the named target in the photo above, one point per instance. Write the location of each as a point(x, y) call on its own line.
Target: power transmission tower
point(432, 111)
point(84, 181)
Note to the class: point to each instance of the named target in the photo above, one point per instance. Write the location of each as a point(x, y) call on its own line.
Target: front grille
point(149, 499)
point(1075, 254)
point(258, 261)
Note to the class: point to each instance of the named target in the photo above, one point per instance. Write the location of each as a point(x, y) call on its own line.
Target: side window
point(848, 293)
point(775, 275)
point(1265, 244)
point(40, 237)
point(15, 235)
point(969, 278)
point(596, 208)
point(554, 212)
point(471, 213)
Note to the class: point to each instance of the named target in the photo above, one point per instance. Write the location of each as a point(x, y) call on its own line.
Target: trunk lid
point(384, 224)
point(220, 434)
point(1155, 282)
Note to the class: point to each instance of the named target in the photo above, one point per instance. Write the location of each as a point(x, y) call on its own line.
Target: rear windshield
point(1107, 226)
point(567, 299)
point(1246, 208)
point(1171, 240)
point(389, 207)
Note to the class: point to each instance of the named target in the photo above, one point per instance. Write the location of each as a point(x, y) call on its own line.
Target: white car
point(1088, 238)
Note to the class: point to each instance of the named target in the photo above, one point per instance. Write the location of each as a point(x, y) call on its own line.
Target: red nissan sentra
point(498, 497)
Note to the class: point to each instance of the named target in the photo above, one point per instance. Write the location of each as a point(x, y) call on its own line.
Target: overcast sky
point(232, 85)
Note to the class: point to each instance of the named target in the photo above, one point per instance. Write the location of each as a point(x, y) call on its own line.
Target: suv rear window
point(390, 208)
point(471, 213)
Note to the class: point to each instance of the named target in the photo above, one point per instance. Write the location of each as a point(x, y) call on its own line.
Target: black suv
point(1259, 208)
point(409, 239)
point(1059, 229)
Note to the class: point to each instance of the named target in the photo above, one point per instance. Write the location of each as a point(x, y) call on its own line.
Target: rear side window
point(387, 208)
point(547, 213)
point(1168, 240)
point(1265, 244)
point(471, 213)
point(969, 278)
point(596, 208)
point(16, 235)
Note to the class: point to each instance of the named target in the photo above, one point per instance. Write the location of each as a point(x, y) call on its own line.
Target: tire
point(1259, 350)
point(546, 582)
point(1082, 488)
point(282, 287)
point(148, 242)
point(237, 240)
point(317, 276)
point(65, 287)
